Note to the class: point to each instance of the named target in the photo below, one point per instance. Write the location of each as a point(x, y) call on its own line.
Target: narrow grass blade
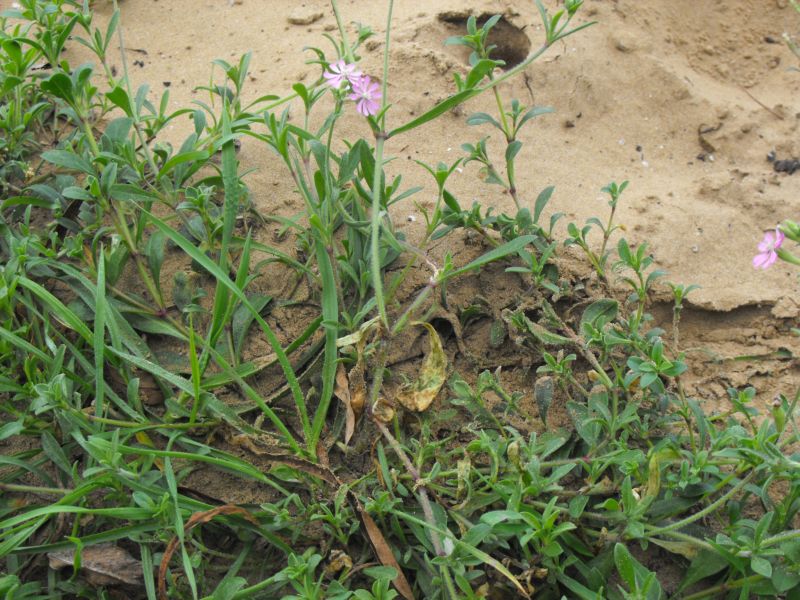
point(511, 247)
point(58, 309)
point(98, 339)
point(330, 322)
point(214, 270)
point(223, 307)
point(469, 549)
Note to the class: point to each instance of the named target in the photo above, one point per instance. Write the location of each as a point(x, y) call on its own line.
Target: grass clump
point(121, 389)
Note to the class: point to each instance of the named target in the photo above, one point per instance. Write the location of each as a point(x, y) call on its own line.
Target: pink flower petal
point(764, 260)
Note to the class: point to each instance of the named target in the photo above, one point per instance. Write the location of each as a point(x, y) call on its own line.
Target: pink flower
point(341, 72)
point(767, 254)
point(366, 94)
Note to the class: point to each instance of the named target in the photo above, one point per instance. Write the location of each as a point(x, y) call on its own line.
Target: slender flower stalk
point(376, 217)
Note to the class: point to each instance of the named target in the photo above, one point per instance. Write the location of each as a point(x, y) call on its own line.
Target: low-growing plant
point(474, 498)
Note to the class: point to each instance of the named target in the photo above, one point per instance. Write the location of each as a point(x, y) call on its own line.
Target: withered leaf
point(101, 564)
point(342, 392)
point(418, 395)
point(339, 561)
point(196, 519)
point(384, 552)
point(382, 410)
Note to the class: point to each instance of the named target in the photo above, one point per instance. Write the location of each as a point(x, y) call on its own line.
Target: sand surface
point(684, 98)
point(630, 94)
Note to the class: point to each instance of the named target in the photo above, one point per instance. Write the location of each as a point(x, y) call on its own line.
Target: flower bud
point(572, 6)
point(513, 454)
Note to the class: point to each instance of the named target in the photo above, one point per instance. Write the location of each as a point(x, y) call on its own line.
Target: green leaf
point(579, 589)
point(502, 251)
point(761, 566)
point(98, 339)
point(625, 565)
point(783, 579)
point(512, 150)
point(480, 70)
point(466, 548)
point(541, 334)
point(60, 86)
point(330, 316)
point(577, 505)
point(243, 319)
point(119, 97)
point(126, 192)
point(224, 279)
point(55, 452)
point(480, 118)
point(158, 371)
point(543, 391)
point(541, 202)
point(29, 201)
point(184, 157)
point(69, 160)
point(600, 312)
point(155, 256)
point(534, 112)
point(12, 428)
point(436, 111)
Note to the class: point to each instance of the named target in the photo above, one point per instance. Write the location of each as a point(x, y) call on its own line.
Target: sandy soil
point(683, 98)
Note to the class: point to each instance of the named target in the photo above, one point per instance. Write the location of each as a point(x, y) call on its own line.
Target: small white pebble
point(411, 218)
point(459, 169)
point(621, 141)
point(695, 248)
point(645, 164)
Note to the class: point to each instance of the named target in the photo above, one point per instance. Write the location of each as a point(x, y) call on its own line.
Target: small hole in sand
point(512, 43)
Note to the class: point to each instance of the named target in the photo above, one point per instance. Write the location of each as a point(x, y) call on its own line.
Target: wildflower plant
point(463, 494)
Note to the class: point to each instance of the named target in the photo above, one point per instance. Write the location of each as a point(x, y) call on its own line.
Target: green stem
point(606, 235)
point(504, 121)
point(448, 582)
point(707, 510)
point(781, 537)
point(716, 590)
point(419, 485)
point(342, 33)
point(377, 184)
point(134, 113)
point(398, 326)
point(89, 134)
point(32, 489)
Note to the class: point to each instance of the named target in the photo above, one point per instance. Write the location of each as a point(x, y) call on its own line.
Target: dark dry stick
point(762, 105)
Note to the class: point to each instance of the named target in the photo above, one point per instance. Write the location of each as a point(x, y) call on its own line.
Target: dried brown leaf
point(382, 410)
point(339, 561)
point(196, 519)
point(342, 392)
point(418, 395)
point(358, 388)
point(384, 552)
point(101, 564)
